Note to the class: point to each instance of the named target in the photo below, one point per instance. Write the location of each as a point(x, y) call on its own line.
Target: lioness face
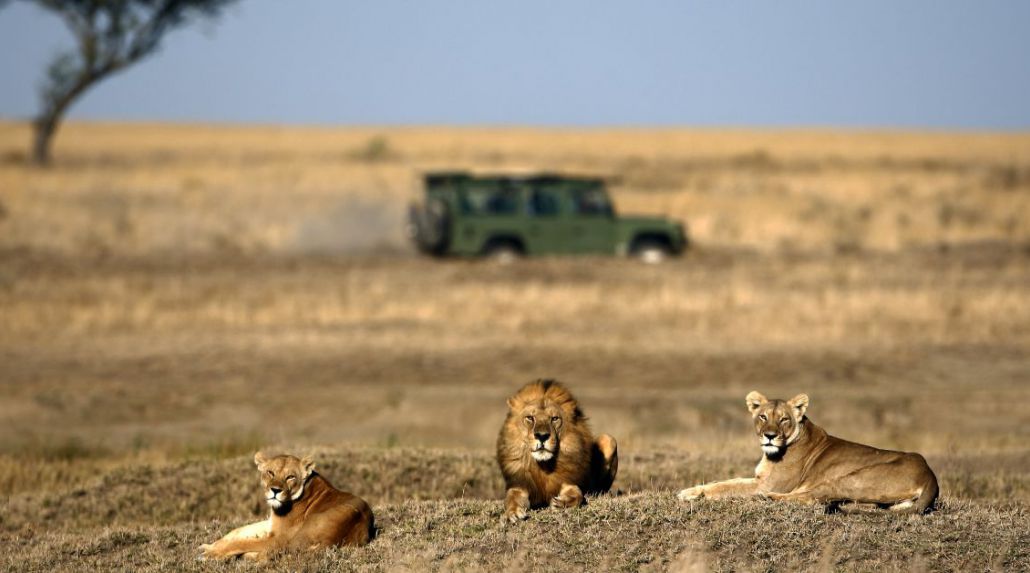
point(283, 478)
point(542, 422)
point(777, 422)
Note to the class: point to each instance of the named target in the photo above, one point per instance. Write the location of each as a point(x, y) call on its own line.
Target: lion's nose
point(769, 435)
point(275, 490)
point(542, 436)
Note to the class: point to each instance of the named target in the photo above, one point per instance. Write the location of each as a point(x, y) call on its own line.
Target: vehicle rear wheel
point(651, 252)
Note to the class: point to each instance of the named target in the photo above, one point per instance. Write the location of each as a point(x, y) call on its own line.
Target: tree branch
point(110, 36)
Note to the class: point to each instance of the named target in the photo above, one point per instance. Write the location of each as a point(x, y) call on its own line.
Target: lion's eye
point(763, 417)
point(784, 420)
point(555, 418)
point(291, 478)
point(270, 473)
point(529, 419)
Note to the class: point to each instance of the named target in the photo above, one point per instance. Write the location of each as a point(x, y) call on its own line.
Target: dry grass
point(172, 298)
point(129, 355)
point(439, 510)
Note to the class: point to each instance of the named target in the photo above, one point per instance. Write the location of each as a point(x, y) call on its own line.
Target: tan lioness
point(307, 513)
point(803, 463)
point(547, 454)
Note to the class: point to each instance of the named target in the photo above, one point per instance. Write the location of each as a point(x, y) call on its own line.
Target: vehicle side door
point(591, 221)
point(547, 211)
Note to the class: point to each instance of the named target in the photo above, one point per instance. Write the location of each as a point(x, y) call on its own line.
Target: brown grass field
point(174, 297)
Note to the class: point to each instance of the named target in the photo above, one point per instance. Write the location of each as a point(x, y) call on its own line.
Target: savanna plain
point(173, 298)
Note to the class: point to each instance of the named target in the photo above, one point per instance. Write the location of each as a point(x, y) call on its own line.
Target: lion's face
point(541, 423)
point(777, 422)
point(283, 478)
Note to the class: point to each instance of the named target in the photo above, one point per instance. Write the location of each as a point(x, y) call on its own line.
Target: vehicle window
point(490, 198)
point(591, 201)
point(545, 202)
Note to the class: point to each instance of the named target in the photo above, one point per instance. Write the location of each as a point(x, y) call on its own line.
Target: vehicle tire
point(651, 252)
point(502, 252)
point(428, 226)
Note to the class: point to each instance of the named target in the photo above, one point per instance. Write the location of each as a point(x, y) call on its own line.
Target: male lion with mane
point(547, 454)
point(803, 463)
point(307, 513)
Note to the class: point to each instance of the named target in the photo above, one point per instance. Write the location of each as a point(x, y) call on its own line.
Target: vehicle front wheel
point(503, 253)
point(651, 252)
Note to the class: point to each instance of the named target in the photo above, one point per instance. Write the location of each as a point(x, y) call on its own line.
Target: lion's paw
point(691, 493)
point(564, 502)
point(516, 516)
point(211, 551)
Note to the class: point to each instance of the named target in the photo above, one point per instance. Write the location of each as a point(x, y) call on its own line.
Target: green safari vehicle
point(508, 216)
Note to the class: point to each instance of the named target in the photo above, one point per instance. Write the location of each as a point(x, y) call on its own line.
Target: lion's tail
point(373, 531)
point(927, 500)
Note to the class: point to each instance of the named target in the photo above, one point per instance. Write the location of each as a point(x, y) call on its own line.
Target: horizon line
point(229, 123)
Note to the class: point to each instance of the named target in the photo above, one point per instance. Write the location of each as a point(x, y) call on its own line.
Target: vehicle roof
point(440, 177)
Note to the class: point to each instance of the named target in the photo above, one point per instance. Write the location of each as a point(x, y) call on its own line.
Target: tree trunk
point(45, 126)
point(53, 112)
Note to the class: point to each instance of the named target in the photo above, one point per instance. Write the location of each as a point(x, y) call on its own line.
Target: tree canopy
point(110, 35)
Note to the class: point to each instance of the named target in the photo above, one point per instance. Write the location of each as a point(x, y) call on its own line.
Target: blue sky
point(909, 64)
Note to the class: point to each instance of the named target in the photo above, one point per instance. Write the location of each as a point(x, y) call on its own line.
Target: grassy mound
point(440, 509)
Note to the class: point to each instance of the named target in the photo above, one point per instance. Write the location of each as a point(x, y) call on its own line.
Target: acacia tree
point(110, 35)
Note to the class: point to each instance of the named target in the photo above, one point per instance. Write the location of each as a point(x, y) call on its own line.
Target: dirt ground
point(166, 309)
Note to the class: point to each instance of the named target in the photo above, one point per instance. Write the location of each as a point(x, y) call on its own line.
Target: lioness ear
point(511, 403)
point(259, 458)
point(754, 401)
point(308, 464)
point(800, 404)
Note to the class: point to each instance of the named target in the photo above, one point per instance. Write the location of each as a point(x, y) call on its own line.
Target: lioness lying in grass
point(307, 513)
point(803, 463)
